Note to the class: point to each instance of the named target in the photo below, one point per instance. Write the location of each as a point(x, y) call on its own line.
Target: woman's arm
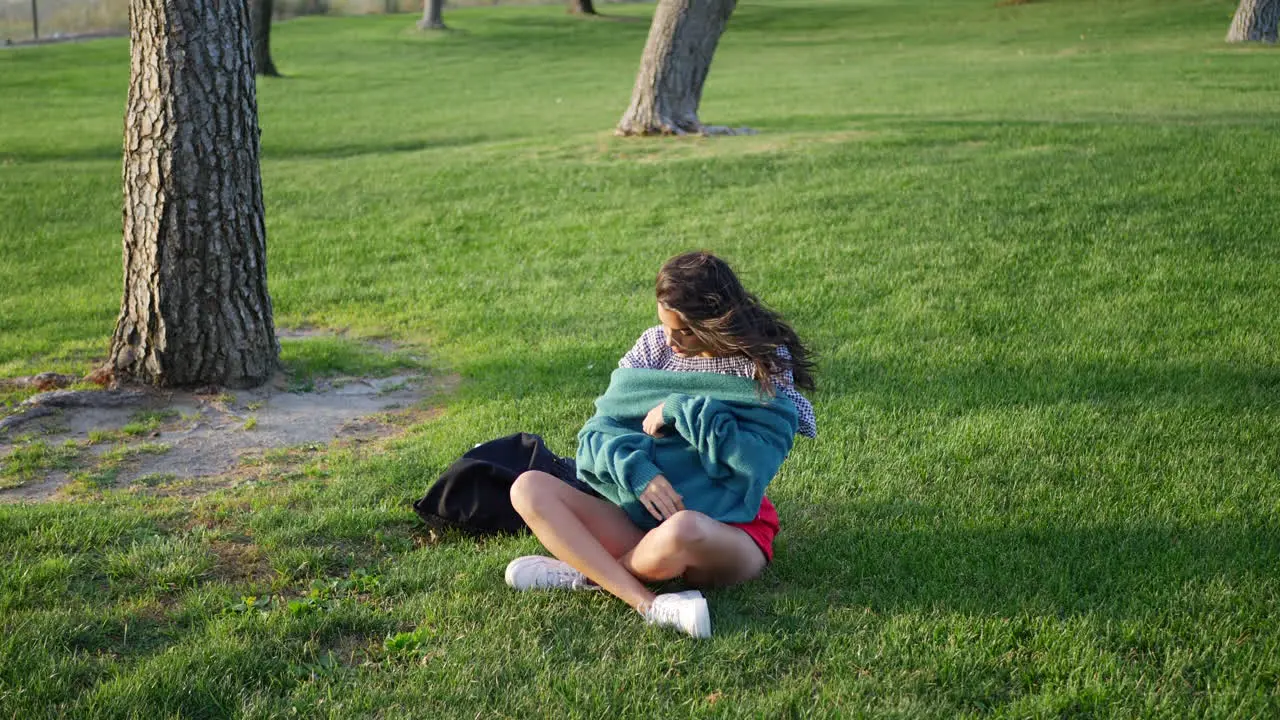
point(739, 446)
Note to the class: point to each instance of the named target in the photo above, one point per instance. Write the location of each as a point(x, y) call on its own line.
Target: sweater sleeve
point(739, 449)
point(616, 461)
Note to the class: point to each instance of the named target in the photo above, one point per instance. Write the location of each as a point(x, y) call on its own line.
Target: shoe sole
point(702, 620)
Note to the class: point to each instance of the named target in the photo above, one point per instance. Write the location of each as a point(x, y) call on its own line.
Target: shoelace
point(559, 577)
point(663, 614)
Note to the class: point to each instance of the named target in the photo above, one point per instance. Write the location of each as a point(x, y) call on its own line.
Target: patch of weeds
point(147, 421)
point(134, 429)
point(162, 563)
point(359, 582)
point(281, 456)
point(255, 405)
point(393, 542)
point(250, 604)
point(108, 466)
point(102, 436)
point(33, 459)
point(393, 387)
point(318, 599)
point(251, 423)
point(225, 398)
point(397, 417)
point(91, 480)
point(325, 666)
point(128, 452)
point(409, 645)
point(154, 479)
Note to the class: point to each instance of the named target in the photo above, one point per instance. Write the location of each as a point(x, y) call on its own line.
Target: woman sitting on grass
point(696, 421)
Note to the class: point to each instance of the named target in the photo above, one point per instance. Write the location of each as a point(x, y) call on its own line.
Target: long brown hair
point(728, 320)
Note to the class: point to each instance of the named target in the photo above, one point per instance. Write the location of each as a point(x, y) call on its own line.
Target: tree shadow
point(582, 370)
point(602, 17)
point(919, 125)
point(899, 558)
point(775, 20)
point(88, 154)
point(372, 147)
point(964, 387)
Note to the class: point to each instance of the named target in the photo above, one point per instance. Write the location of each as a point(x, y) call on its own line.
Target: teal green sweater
point(722, 445)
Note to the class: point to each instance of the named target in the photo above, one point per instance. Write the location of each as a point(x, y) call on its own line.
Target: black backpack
point(474, 494)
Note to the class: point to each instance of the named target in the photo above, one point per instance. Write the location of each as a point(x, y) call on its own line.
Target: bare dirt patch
point(200, 441)
point(239, 562)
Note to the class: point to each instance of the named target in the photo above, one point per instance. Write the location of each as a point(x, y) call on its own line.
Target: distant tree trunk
point(195, 309)
point(432, 15)
point(261, 10)
point(581, 7)
point(1255, 21)
point(674, 67)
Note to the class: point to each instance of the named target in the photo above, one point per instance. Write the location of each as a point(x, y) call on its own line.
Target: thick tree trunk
point(581, 7)
point(674, 67)
point(261, 10)
point(195, 309)
point(432, 15)
point(1255, 21)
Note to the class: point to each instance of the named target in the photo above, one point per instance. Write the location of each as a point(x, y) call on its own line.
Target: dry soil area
point(184, 436)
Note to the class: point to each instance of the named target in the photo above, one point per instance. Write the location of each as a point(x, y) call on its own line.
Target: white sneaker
point(685, 611)
point(535, 572)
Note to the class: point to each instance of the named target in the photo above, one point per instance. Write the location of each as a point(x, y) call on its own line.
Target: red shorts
point(762, 529)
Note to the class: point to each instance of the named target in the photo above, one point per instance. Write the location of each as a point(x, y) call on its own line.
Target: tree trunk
point(674, 67)
point(195, 309)
point(1255, 21)
point(261, 10)
point(581, 7)
point(432, 15)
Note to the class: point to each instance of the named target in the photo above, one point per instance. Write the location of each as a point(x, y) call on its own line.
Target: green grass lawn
point(1037, 247)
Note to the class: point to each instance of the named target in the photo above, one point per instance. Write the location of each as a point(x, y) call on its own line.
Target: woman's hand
point(660, 499)
point(653, 422)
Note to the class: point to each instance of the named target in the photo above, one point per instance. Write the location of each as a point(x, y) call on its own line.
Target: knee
point(529, 491)
point(686, 529)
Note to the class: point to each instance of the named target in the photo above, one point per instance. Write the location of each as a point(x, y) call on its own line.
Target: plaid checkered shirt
point(652, 352)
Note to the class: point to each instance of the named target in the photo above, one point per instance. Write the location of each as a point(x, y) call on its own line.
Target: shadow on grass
point(329, 151)
point(963, 387)
point(776, 20)
point(910, 557)
point(922, 128)
point(89, 154)
point(954, 387)
point(1108, 571)
point(372, 147)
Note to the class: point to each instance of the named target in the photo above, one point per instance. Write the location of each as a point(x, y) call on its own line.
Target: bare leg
point(705, 551)
point(586, 532)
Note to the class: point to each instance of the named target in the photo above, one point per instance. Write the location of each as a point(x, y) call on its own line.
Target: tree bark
point(432, 15)
point(581, 7)
point(674, 66)
point(195, 309)
point(262, 61)
point(1255, 21)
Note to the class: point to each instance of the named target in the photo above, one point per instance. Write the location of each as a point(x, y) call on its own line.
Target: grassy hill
point(1035, 245)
